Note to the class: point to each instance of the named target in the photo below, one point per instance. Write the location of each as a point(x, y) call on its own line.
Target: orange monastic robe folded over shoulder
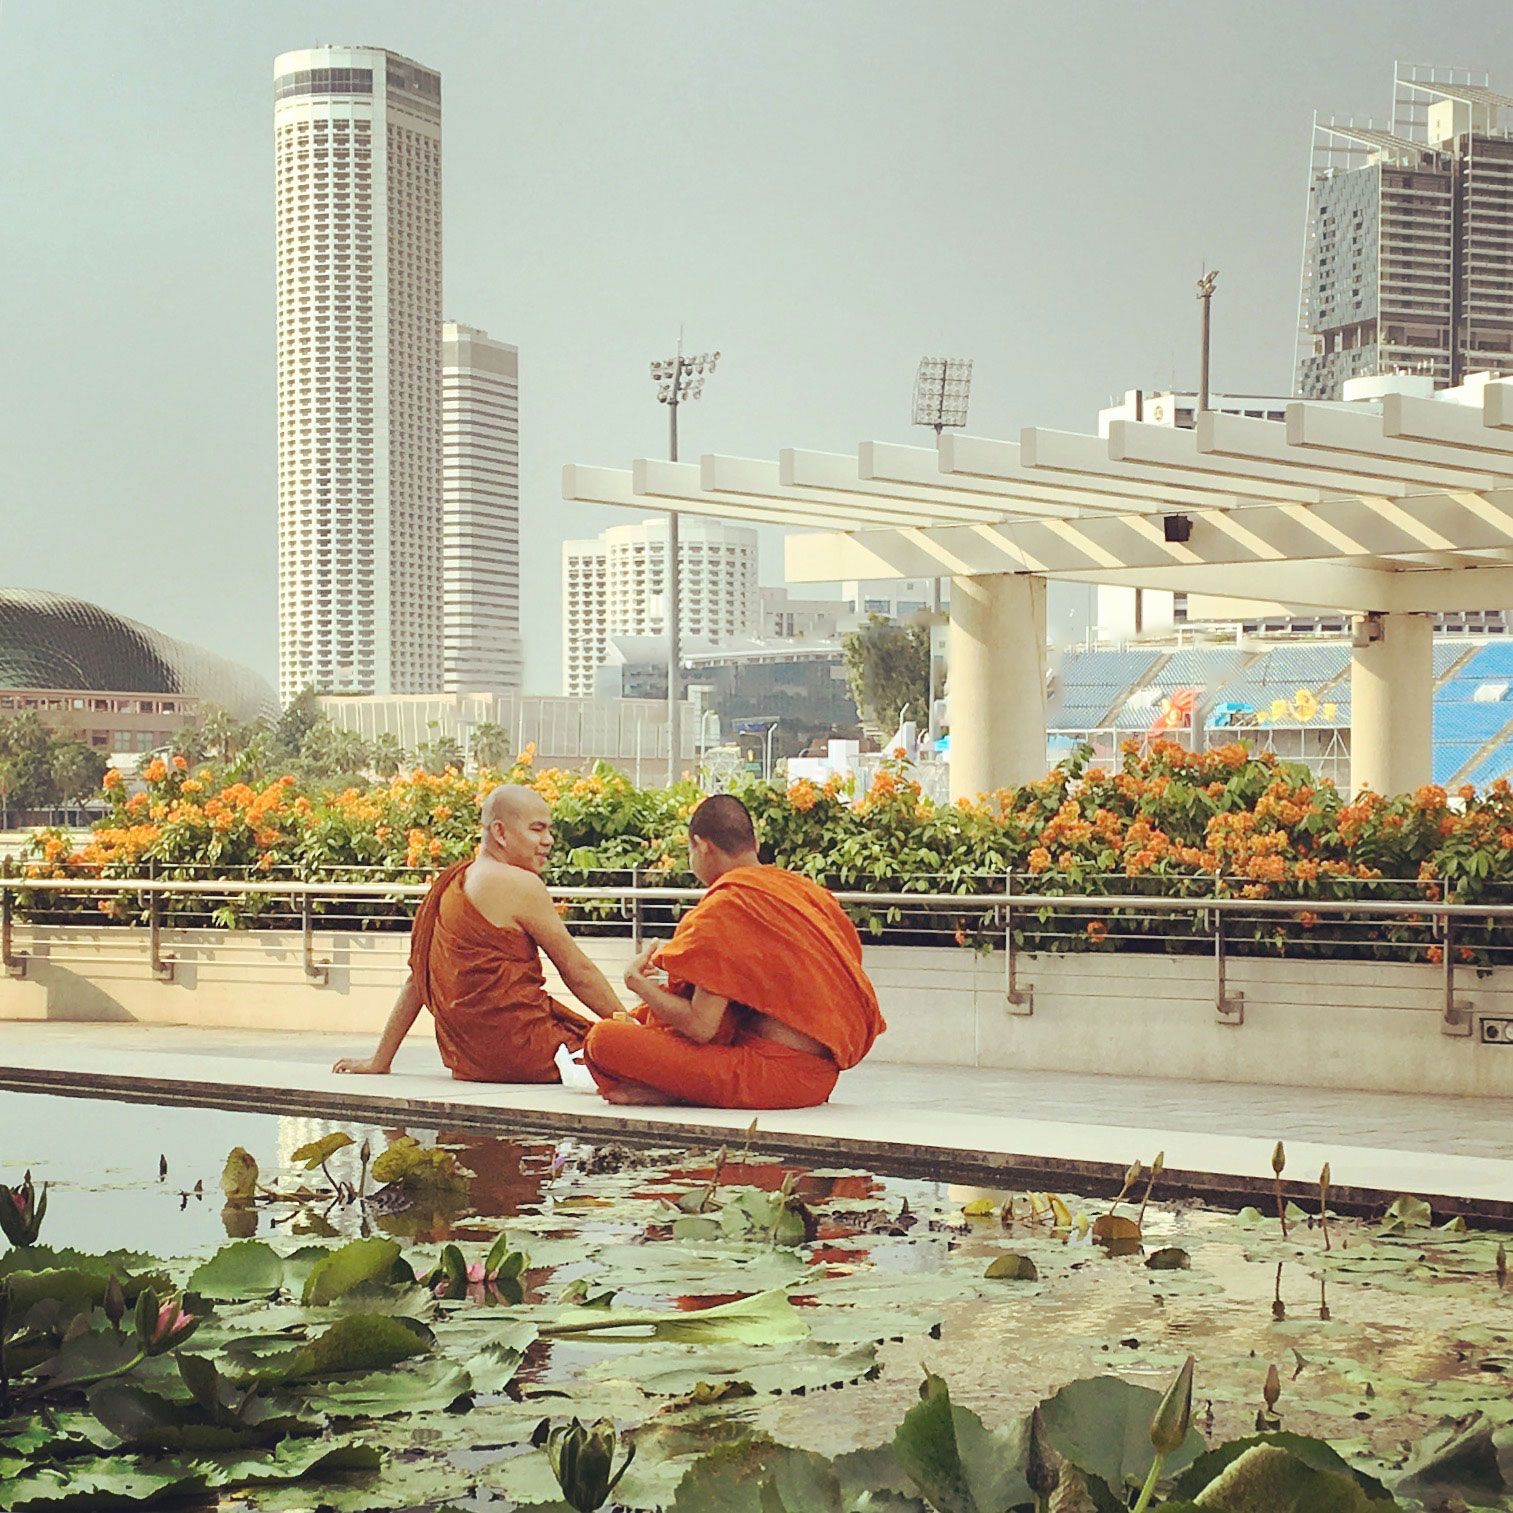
point(767, 940)
point(495, 1021)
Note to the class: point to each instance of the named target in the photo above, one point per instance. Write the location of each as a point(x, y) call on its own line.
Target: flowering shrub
point(1168, 821)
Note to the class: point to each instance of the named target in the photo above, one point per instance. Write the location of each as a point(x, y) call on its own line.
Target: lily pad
point(359, 1342)
point(240, 1271)
point(1012, 1267)
point(318, 1152)
point(1103, 1426)
point(959, 1464)
point(358, 1265)
point(239, 1178)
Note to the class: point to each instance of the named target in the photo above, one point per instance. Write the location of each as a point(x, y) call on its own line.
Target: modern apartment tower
point(1408, 252)
point(480, 495)
point(616, 586)
point(357, 174)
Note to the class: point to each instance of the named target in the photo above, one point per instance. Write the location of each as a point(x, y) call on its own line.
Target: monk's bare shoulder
point(506, 896)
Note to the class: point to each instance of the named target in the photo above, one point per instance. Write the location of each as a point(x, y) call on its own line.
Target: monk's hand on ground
point(365, 1065)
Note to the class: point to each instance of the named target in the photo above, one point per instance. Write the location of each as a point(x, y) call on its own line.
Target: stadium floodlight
point(677, 378)
point(942, 388)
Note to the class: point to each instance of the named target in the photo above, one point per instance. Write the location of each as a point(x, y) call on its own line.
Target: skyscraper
point(357, 174)
point(1408, 254)
point(616, 586)
point(480, 491)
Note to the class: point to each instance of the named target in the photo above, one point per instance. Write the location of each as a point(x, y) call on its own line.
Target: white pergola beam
point(1497, 405)
point(1358, 443)
point(1465, 427)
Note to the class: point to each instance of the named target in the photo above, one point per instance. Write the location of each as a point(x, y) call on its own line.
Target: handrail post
point(318, 972)
point(637, 919)
point(1230, 1007)
point(15, 966)
point(162, 966)
point(1456, 1016)
point(1021, 1001)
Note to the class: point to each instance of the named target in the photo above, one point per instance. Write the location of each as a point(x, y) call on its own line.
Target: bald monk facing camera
point(475, 958)
point(766, 1002)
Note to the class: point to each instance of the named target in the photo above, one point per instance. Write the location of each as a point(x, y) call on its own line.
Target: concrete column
point(995, 664)
point(1392, 703)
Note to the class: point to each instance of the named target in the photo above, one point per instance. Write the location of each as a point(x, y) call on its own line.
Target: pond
point(698, 1300)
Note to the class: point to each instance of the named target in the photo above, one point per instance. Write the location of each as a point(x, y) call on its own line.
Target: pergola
point(1391, 516)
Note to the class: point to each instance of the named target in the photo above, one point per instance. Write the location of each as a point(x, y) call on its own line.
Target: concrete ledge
point(1333, 1025)
point(978, 1126)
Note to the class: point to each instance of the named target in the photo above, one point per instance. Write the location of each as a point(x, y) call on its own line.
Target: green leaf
point(358, 1264)
point(109, 1481)
point(1169, 1258)
point(358, 1342)
point(292, 1460)
point(431, 1386)
point(1408, 1212)
point(731, 1479)
point(317, 1152)
point(1471, 1454)
point(767, 1318)
point(239, 1178)
point(1012, 1267)
point(146, 1420)
point(1268, 1479)
point(405, 1160)
point(956, 1461)
point(1102, 1425)
point(238, 1272)
point(1313, 1453)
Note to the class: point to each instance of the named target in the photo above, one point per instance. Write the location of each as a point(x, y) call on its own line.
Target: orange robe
point(495, 1021)
point(769, 941)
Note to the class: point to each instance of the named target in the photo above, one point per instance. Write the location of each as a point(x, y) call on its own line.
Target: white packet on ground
point(573, 1073)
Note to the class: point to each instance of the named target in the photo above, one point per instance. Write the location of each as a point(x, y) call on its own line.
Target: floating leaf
point(956, 1461)
point(419, 1167)
point(1102, 1426)
point(1012, 1267)
point(318, 1152)
point(1268, 1479)
point(1408, 1212)
point(239, 1178)
point(1169, 1258)
point(1118, 1235)
point(360, 1264)
point(237, 1272)
point(1312, 1453)
point(737, 1478)
point(765, 1319)
point(359, 1342)
point(980, 1208)
point(1473, 1454)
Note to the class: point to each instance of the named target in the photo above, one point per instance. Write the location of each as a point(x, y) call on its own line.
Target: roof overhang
point(1407, 509)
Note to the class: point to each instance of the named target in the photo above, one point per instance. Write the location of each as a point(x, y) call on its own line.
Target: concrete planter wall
point(1307, 1024)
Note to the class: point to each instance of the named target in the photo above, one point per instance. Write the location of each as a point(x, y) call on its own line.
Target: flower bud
point(1278, 1159)
point(21, 1211)
point(1174, 1413)
point(582, 1460)
point(115, 1301)
point(1159, 1164)
point(1324, 1180)
point(1272, 1389)
point(162, 1326)
point(1040, 1468)
point(1132, 1176)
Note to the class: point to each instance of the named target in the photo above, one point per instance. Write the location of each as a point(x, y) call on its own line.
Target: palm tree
point(490, 744)
point(386, 755)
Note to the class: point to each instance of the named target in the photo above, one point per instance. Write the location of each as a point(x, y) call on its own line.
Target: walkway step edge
point(1006, 1169)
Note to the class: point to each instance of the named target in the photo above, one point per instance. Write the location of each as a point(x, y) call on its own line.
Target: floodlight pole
point(675, 378)
point(1205, 298)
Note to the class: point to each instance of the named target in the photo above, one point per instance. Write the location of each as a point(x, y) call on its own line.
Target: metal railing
point(997, 915)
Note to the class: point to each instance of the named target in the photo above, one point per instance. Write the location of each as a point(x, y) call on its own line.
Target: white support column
point(1392, 703)
point(995, 666)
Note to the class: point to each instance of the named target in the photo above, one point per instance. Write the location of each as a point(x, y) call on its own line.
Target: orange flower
point(112, 778)
point(1040, 859)
point(1097, 931)
point(1435, 955)
point(180, 764)
point(1308, 919)
point(155, 771)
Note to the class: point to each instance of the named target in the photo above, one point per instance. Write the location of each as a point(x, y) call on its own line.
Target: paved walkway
point(968, 1125)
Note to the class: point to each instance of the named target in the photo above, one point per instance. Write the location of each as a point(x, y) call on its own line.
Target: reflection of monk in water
point(475, 958)
point(766, 1002)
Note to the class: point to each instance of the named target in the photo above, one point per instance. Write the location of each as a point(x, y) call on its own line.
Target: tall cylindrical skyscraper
point(357, 174)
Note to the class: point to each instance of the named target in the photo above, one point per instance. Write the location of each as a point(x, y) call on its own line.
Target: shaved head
point(720, 836)
point(512, 801)
point(517, 826)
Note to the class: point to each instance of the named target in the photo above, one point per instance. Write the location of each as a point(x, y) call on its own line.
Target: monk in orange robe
point(765, 1003)
point(475, 959)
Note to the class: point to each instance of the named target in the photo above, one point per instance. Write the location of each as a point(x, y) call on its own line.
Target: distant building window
point(877, 606)
point(911, 606)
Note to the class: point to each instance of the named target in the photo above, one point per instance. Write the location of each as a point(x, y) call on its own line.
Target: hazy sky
point(822, 191)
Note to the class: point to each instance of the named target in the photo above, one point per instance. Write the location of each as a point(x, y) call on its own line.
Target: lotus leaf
point(1266, 1478)
point(731, 1480)
point(358, 1342)
point(106, 1481)
point(239, 1178)
point(318, 1152)
point(1012, 1267)
point(1473, 1452)
point(1408, 1212)
point(417, 1166)
point(768, 1318)
point(959, 1464)
point(1102, 1425)
point(147, 1420)
point(237, 1272)
point(357, 1265)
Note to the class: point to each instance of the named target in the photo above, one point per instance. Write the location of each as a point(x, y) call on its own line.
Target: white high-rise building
point(585, 614)
point(480, 494)
point(615, 586)
point(357, 174)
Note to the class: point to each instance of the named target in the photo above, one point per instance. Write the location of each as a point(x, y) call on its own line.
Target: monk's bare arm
point(537, 915)
point(406, 1007)
point(699, 1017)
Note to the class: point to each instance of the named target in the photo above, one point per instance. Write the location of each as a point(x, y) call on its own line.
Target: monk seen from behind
point(475, 958)
point(765, 1002)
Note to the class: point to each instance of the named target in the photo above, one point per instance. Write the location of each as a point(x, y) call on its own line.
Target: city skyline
point(822, 245)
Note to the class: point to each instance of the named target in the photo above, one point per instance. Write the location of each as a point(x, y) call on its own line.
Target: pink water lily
point(174, 1325)
point(21, 1211)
